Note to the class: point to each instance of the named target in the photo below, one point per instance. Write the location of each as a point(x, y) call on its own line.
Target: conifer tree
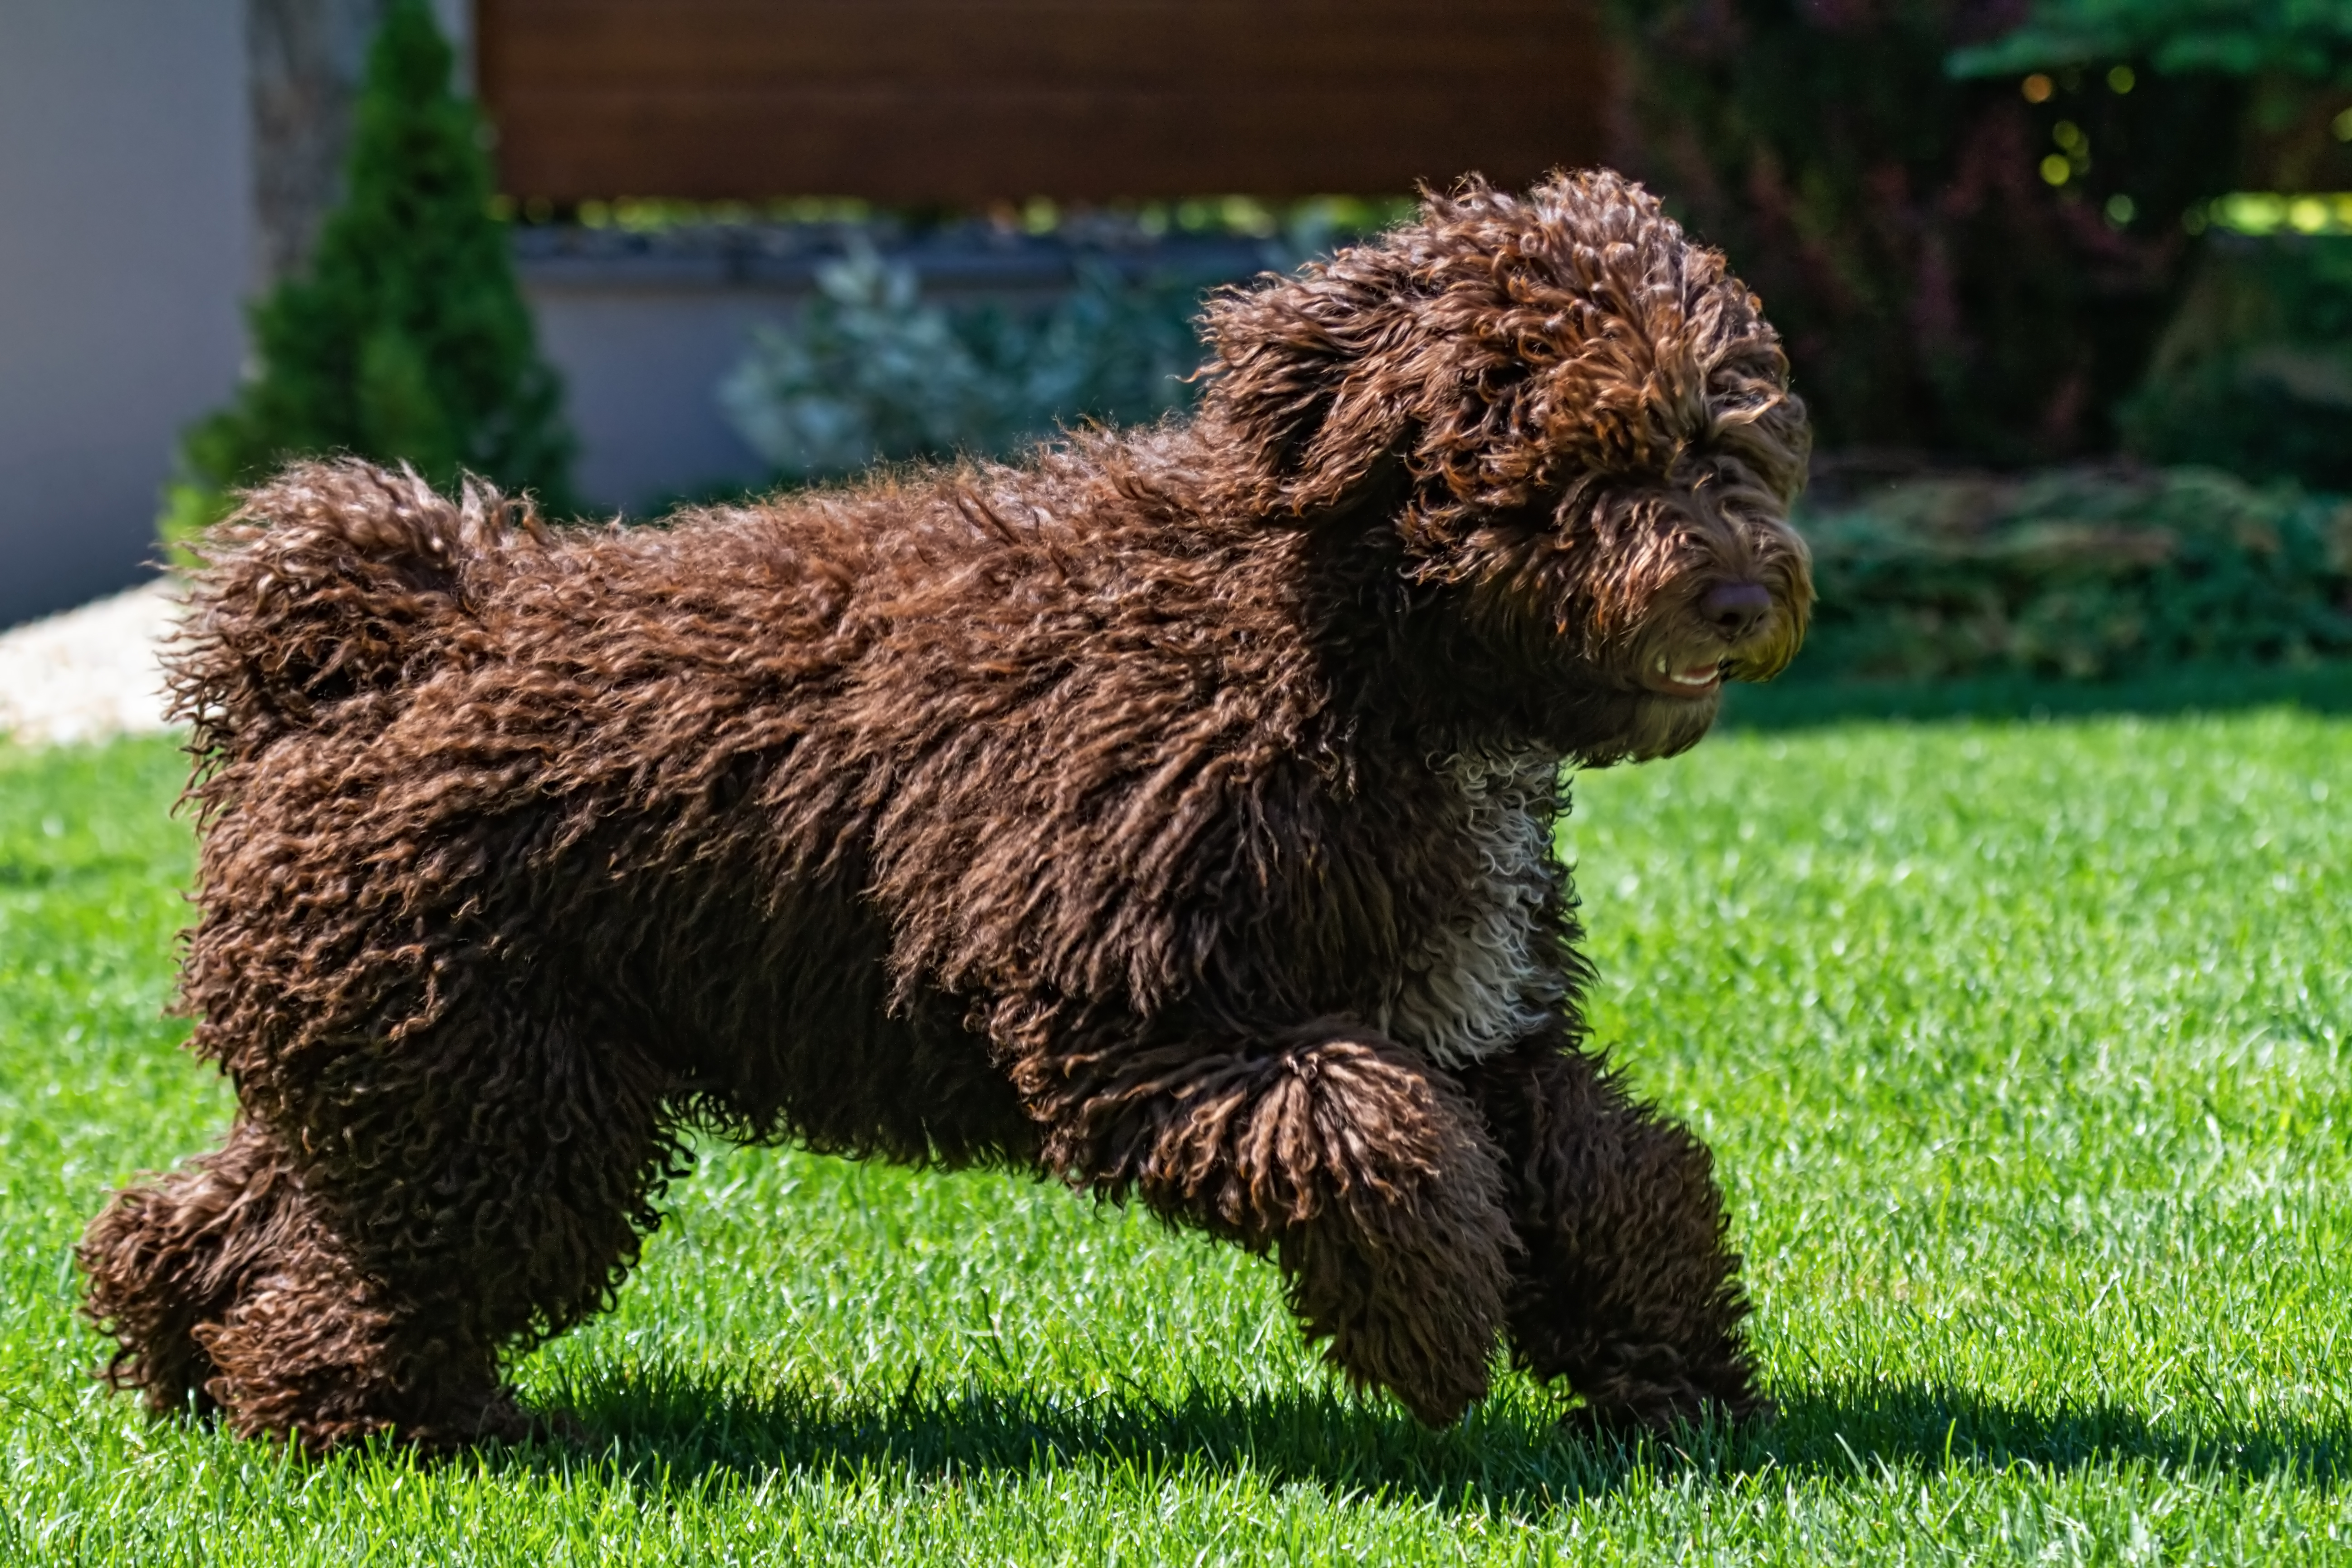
point(407, 340)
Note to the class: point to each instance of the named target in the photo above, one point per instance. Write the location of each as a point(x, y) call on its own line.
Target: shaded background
point(1990, 252)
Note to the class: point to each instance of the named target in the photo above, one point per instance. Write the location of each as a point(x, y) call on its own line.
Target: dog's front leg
point(1365, 1173)
point(1626, 1290)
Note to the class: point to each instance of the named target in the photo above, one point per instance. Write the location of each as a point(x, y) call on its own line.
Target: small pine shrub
point(871, 370)
point(2077, 573)
point(407, 340)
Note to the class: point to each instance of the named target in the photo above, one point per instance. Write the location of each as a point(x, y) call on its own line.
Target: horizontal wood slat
point(972, 101)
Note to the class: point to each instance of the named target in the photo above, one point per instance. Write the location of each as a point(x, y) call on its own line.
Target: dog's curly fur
point(1169, 814)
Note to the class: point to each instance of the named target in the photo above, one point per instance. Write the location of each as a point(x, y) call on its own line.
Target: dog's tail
point(317, 589)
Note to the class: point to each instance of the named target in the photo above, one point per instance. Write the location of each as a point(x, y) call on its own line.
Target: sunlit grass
point(2022, 1046)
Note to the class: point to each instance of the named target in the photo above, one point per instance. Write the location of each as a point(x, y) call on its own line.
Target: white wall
point(641, 368)
point(125, 246)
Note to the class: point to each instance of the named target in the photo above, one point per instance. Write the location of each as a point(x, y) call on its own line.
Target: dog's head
point(1579, 427)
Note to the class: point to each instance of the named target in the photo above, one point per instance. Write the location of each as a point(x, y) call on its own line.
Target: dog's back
point(767, 787)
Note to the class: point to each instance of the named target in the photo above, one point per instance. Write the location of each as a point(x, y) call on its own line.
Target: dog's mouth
point(1685, 676)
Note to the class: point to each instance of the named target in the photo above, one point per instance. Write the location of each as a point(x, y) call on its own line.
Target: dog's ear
point(1308, 377)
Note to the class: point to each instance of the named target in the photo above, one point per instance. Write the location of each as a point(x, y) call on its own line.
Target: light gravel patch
point(89, 673)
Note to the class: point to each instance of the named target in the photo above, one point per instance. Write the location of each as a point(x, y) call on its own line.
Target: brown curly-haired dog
point(1170, 814)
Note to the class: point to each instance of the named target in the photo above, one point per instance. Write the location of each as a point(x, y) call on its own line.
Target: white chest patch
point(1486, 977)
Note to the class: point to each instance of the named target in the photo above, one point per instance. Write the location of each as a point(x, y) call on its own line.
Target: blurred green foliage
point(2078, 574)
point(1957, 268)
point(870, 369)
point(2230, 38)
point(408, 340)
point(2254, 374)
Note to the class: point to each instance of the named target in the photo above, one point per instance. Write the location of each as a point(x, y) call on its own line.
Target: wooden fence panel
point(973, 100)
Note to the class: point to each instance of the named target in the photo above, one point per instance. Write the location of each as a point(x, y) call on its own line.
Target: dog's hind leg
point(225, 1285)
point(473, 1187)
point(170, 1255)
point(287, 1336)
point(1364, 1172)
point(1626, 1287)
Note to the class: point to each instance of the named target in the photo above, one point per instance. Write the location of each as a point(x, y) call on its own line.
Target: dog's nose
point(1736, 609)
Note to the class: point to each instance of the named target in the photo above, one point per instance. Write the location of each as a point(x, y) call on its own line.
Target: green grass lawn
point(2022, 1046)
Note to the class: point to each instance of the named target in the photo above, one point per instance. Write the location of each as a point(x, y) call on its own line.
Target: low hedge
point(2082, 574)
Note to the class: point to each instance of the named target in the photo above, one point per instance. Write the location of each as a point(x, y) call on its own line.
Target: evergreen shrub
point(407, 340)
point(2081, 573)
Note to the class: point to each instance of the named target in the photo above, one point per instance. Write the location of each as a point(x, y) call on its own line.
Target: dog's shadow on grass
point(1508, 1456)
